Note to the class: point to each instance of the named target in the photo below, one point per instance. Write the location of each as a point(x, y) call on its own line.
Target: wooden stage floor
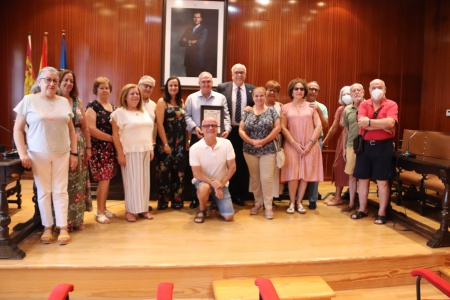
point(125, 260)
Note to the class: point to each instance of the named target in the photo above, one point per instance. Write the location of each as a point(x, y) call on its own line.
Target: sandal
point(102, 219)
point(333, 203)
point(347, 208)
point(380, 220)
point(63, 237)
point(130, 217)
point(200, 218)
point(358, 215)
point(146, 215)
point(291, 208)
point(109, 214)
point(300, 208)
point(269, 214)
point(255, 209)
point(47, 235)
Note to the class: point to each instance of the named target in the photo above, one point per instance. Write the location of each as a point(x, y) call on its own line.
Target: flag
point(63, 56)
point(43, 63)
point(29, 74)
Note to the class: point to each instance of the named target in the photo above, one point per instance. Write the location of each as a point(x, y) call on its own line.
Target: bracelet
point(88, 148)
point(312, 141)
point(166, 145)
point(74, 154)
point(368, 123)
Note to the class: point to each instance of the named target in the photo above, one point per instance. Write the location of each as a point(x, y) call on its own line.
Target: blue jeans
point(225, 204)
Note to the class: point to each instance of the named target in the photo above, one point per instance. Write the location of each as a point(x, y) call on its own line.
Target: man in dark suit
point(194, 39)
point(239, 95)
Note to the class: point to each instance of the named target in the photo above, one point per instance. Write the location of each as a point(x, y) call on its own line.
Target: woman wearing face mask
point(340, 178)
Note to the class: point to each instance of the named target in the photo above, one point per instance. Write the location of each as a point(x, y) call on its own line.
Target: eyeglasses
point(239, 73)
point(301, 89)
point(210, 126)
point(314, 90)
point(49, 80)
point(147, 86)
point(272, 91)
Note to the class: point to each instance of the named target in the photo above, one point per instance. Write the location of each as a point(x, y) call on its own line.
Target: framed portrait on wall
point(216, 112)
point(194, 37)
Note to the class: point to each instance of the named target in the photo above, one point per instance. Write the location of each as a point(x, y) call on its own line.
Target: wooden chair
point(266, 289)
point(61, 292)
point(165, 291)
point(439, 282)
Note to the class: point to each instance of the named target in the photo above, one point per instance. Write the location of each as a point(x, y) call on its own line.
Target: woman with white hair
point(51, 149)
point(340, 178)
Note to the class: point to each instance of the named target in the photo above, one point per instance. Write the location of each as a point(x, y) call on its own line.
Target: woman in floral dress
point(103, 162)
point(171, 145)
point(79, 187)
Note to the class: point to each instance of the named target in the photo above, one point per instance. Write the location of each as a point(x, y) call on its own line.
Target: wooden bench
point(418, 186)
point(307, 287)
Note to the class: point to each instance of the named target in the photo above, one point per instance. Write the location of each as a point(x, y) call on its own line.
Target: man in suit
point(239, 95)
point(194, 40)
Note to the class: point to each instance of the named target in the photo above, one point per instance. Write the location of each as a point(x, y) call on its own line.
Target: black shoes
point(238, 201)
point(312, 205)
point(162, 205)
point(194, 203)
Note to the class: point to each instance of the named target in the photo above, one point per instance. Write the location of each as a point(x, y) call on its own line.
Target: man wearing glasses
point(312, 191)
point(146, 86)
point(213, 163)
point(194, 103)
point(239, 96)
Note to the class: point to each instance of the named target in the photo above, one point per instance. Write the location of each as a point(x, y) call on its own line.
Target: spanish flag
point(63, 56)
point(29, 74)
point(43, 63)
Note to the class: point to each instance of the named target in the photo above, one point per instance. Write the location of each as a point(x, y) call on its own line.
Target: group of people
point(230, 154)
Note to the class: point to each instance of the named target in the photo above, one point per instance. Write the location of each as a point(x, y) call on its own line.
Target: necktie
point(237, 115)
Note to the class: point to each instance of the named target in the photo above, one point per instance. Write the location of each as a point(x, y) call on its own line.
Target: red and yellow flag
point(43, 63)
point(29, 74)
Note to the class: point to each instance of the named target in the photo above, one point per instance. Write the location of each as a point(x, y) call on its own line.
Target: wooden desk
point(441, 168)
point(10, 170)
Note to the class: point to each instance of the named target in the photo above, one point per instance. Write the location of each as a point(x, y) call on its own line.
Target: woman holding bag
point(258, 128)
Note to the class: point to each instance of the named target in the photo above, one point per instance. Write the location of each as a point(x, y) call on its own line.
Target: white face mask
point(346, 99)
point(377, 94)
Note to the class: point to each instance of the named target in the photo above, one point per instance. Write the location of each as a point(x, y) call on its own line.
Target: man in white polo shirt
point(213, 163)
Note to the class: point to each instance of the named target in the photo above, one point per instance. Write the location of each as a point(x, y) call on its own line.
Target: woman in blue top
point(258, 128)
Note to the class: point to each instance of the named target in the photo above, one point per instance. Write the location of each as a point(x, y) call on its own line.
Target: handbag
point(280, 157)
point(358, 142)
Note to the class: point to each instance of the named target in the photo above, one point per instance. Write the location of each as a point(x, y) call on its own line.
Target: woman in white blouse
point(132, 128)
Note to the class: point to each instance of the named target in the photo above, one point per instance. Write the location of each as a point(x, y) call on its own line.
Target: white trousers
point(51, 175)
point(261, 177)
point(136, 181)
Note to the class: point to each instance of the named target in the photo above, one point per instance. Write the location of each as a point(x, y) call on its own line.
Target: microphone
point(13, 152)
point(407, 153)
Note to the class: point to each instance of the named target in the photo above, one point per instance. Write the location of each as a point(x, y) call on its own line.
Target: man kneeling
point(213, 163)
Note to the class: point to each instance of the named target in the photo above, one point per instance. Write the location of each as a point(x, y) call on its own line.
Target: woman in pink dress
point(301, 128)
point(339, 177)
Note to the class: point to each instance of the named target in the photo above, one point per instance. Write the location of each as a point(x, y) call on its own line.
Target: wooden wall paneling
point(430, 62)
point(443, 86)
point(412, 66)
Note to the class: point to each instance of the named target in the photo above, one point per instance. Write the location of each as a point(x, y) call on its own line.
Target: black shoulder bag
point(358, 142)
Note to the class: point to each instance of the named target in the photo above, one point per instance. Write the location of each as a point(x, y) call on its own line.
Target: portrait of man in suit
point(194, 35)
point(194, 40)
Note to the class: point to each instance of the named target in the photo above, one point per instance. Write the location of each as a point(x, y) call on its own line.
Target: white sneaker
point(301, 209)
point(291, 208)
